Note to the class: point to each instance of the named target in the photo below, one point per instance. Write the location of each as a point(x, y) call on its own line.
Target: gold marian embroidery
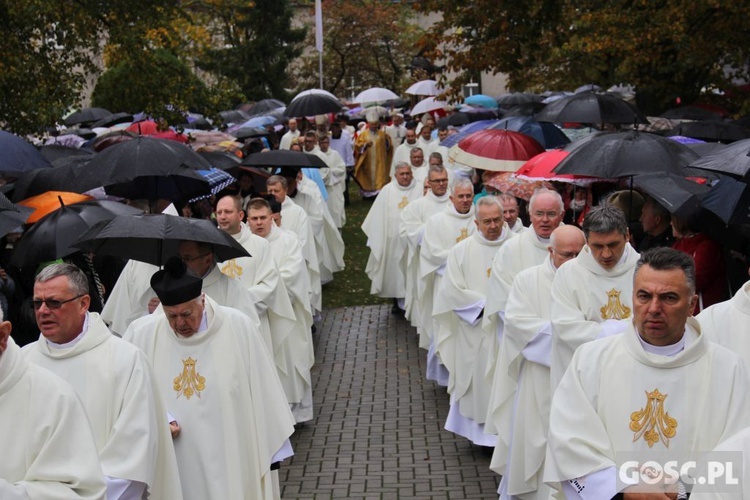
point(653, 422)
point(463, 235)
point(232, 269)
point(404, 202)
point(614, 308)
point(489, 270)
point(189, 382)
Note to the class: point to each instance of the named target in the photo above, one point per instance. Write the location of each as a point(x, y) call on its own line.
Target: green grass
point(351, 287)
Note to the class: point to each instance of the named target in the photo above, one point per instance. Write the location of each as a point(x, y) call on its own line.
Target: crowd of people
point(558, 324)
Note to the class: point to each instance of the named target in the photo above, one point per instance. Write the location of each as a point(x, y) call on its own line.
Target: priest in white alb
point(519, 405)
point(49, 451)
point(290, 136)
point(442, 232)
point(292, 349)
point(386, 265)
point(466, 350)
point(401, 154)
point(220, 384)
point(511, 212)
point(334, 177)
point(591, 294)
point(413, 220)
point(660, 392)
point(728, 323)
point(113, 381)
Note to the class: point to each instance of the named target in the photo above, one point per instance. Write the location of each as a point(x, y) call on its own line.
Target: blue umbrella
point(19, 156)
point(546, 134)
point(217, 180)
point(482, 100)
point(467, 129)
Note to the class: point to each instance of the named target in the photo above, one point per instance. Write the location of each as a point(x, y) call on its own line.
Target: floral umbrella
point(510, 183)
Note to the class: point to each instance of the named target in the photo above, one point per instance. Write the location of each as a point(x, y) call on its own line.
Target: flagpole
point(319, 38)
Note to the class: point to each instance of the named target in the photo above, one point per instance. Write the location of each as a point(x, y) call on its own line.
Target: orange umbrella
point(49, 202)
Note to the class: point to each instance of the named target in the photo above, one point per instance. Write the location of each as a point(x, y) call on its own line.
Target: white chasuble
point(589, 302)
point(465, 349)
point(328, 243)
point(116, 386)
point(618, 398)
point(129, 298)
point(413, 220)
point(740, 442)
point(334, 177)
point(728, 323)
point(293, 350)
point(294, 219)
point(48, 449)
point(221, 386)
point(519, 405)
point(386, 265)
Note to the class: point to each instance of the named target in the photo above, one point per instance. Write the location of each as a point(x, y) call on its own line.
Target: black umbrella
point(264, 106)
point(65, 177)
point(51, 236)
point(248, 132)
point(113, 119)
point(283, 158)
point(729, 198)
point(590, 107)
point(706, 148)
point(524, 109)
point(733, 159)
point(515, 98)
point(12, 216)
point(19, 156)
point(711, 130)
point(682, 197)
point(220, 159)
point(54, 152)
point(148, 168)
point(84, 133)
point(86, 115)
point(689, 113)
point(456, 120)
point(198, 124)
point(234, 116)
point(154, 238)
point(621, 154)
point(309, 103)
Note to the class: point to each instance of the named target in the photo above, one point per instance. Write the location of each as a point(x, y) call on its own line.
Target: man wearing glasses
point(113, 381)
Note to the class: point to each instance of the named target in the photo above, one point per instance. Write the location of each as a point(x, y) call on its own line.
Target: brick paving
point(378, 425)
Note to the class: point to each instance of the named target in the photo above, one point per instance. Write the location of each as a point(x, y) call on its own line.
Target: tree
point(367, 42)
point(665, 48)
point(253, 43)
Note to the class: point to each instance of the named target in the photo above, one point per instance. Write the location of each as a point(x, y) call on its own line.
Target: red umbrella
point(145, 127)
point(541, 168)
point(497, 150)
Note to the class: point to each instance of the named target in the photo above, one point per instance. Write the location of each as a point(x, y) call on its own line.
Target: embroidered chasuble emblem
point(614, 308)
point(463, 235)
point(189, 382)
point(404, 202)
point(653, 423)
point(489, 270)
point(232, 269)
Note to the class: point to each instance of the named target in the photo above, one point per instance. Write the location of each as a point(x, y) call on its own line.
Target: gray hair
point(401, 164)
point(508, 197)
point(487, 201)
point(415, 149)
point(462, 183)
point(605, 219)
point(79, 283)
point(437, 156)
point(277, 179)
point(541, 191)
point(435, 169)
point(667, 259)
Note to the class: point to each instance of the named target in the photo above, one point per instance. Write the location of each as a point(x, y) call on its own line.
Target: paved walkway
point(378, 426)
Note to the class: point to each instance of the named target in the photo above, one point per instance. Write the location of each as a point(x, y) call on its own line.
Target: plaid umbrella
point(217, 180)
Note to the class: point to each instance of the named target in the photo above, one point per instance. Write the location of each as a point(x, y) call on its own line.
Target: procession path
point(378, 425)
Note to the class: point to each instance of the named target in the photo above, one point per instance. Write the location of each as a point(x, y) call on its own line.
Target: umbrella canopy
point(729, 198)
point(589, 107)
point(51, 237)
point(515, 98)
point(199, 139)
point(217, 181)
point(524, 109)
point(12, 216)
point(154, 238)
point(110, 139)
point(264, 106)
point(712, 130)
point(682, 197)
point(424, 87)
point(18, 155)
point(510, 183)
point(148, 168)
point(545, 133)
point(64, 177)
point(375, 95)
point(455, 120)
point(234, 116)
point(86, 115)
point(427, 105)
point(466, 131)
point(283, 158)
point(220, 159)
point(541, 168)
point(248, 132)
point(144, 127)
point(481, 100)
point(113, 119)
point(259, 177)
point(620, 154)
point(50, 201)
point(496, 150)
point(54, 152)
point(733, 159)
point(689, 113)
point(313, 102)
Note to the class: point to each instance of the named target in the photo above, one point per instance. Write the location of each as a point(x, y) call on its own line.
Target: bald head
point(565, 243)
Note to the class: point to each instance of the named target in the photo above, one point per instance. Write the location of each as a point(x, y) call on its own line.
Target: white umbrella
point(427, 105)
point(425, 87)
point(375, 95)
point(314, 91)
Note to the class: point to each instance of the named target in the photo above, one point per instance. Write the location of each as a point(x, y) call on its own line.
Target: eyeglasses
point(188, 258)
point(550, 215)
point(52, 303)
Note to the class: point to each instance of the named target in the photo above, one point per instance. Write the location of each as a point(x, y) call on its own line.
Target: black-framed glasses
point(52, 303)
point(188, 258)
